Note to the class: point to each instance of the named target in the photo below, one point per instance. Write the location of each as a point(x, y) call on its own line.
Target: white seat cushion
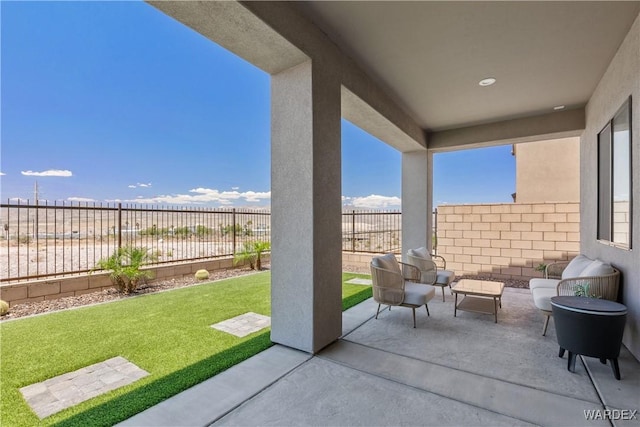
point(445, 277)
point(542, 297)
point(543, 283)
point(418, 294)
point(576, 266)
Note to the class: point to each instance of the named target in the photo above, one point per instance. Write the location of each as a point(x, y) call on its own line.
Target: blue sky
point(115, 101)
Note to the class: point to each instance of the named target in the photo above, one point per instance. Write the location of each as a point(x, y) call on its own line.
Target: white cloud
point(2, 174)
point(50, 172)
point(80, 199)
point(139, 184)
point(208, 195)
point(235, 188)
point(373, 201)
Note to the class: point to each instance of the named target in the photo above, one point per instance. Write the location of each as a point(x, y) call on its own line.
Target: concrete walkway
point(448, 371)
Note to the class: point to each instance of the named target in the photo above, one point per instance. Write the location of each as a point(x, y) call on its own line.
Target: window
point(614, 179)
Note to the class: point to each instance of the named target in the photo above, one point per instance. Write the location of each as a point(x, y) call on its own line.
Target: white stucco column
point(417, 173)
point(306, 222)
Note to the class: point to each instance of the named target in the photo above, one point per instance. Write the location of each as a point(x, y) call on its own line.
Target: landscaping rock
point(4, 307)
point(202, 275)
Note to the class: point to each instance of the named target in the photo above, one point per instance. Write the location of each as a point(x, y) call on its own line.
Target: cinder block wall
point(357, 260)
point(507, 241)
point(48, 289)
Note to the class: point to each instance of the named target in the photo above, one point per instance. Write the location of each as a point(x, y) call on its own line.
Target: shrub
point(202, 231)
point(246, 255)
point(202, 274)
point(125, 266)
point(252, 253)
point(228, 229)
point(259, 247)
point(4, 307)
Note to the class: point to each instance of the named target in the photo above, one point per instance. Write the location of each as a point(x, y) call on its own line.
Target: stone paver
point(66, 390)
point(243, 325)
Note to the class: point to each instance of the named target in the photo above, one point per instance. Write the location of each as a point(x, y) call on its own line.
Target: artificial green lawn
point(167, 334)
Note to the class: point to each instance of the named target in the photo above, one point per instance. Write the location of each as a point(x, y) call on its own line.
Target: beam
point(555, 125)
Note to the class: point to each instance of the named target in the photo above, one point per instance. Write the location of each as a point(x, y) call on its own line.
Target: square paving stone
point(243, 325)
point(66, 390)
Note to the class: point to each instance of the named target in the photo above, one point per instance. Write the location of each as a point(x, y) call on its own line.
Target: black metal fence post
point(353, 230)
point(119, 226)
point(233, 222)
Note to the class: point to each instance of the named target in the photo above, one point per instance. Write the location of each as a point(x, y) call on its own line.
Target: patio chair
point(430, 273)
point(394, 284)
point(582, 277)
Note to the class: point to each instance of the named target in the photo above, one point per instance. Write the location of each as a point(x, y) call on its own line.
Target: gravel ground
point(33, 308)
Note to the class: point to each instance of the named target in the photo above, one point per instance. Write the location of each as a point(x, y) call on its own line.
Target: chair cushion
point(597, 268)
point(576, 266)
point(388, 262)
point(542, 297)
point(421, 252)
point(543, 283)
point(445, 277)
point(418, 294)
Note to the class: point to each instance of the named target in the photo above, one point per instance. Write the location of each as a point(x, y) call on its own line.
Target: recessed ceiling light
point(487, 82)
point(558, 107)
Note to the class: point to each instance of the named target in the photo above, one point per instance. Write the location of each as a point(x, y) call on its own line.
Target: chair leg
point(546, 323)
point(615, 368)
point(414, 316)
point(571, 363)
point(427, 307)
point(443, 294)
point(378, 311)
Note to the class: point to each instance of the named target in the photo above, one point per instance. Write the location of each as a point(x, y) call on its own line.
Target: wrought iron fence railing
point(44, 239)
point(372, 231)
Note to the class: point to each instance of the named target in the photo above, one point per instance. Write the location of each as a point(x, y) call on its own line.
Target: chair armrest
point(442, 261)
point(388, 286)
point(605, 287)
point(381, 277)
point(555, 269)
point(410, 272)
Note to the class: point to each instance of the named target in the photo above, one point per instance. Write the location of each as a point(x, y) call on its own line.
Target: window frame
point(606, 142)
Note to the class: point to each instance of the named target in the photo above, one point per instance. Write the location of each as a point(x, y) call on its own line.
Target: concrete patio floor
point(462, 371)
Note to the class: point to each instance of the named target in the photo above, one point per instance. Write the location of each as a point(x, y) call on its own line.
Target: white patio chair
point(430, 274)
point(394, 285)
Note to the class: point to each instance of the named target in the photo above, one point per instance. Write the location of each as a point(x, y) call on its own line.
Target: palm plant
point(259, 247)
point(252, 253)
point(125, 264)
point(246, 255)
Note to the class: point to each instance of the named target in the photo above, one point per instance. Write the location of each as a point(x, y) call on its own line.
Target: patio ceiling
point(431, 55)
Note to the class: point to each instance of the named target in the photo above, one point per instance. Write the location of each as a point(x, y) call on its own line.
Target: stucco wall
point(548, 171)
point(621, 80)
point(507, 240)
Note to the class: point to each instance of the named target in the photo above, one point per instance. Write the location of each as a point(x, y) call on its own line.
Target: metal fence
point(45, 240)
point(42, 240)
point(372, 231)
